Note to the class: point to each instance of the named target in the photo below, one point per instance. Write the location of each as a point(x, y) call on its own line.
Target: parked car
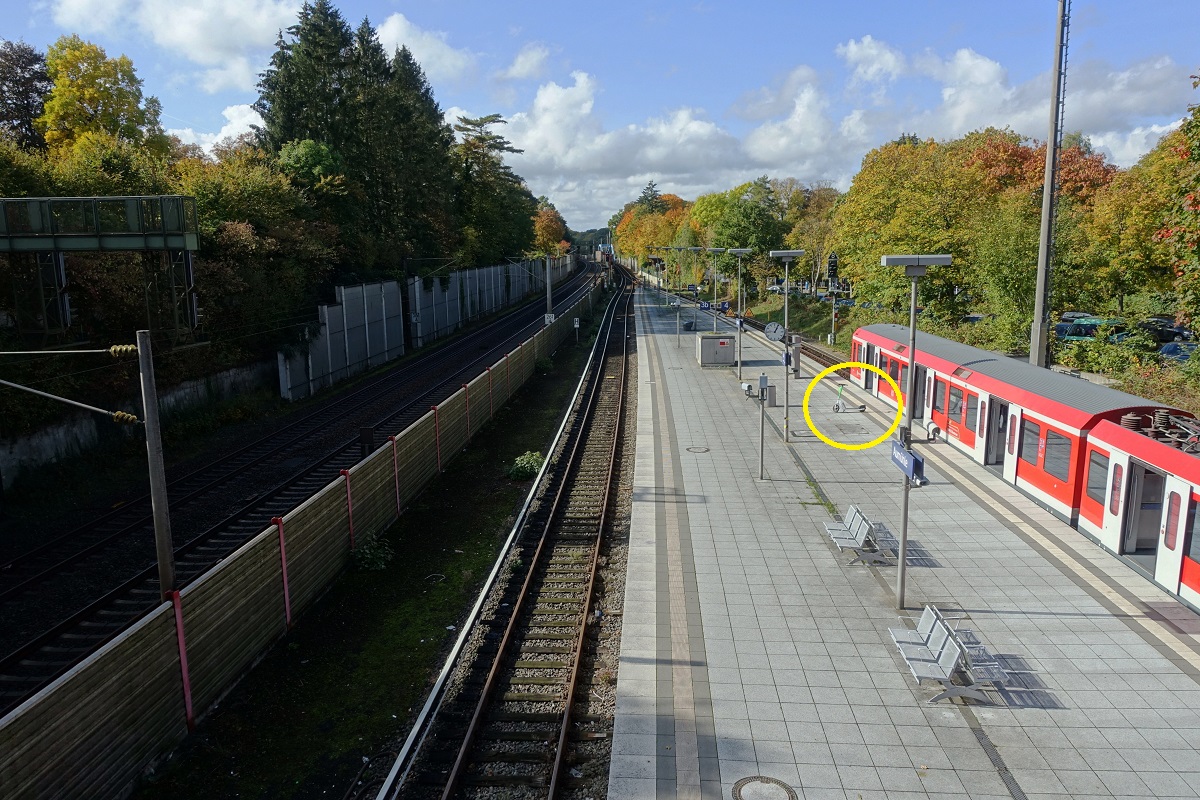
point(1088, 328)
point(1164, 330)
point(1178, 351)
point(1072, 316)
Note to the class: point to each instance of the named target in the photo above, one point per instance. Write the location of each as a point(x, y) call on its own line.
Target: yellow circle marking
point(854, 365)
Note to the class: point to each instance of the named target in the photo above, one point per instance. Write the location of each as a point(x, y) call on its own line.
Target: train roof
point(1086, 399)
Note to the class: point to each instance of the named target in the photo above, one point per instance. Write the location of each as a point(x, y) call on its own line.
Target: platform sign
point(691, 287)
point(909, 462)
point(705, 305)
point(724, 305)
point(576, 322)
point(549, 319)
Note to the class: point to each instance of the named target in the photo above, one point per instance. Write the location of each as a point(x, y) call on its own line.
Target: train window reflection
point(1097, 476)
point(939, 396)
point(1172, 531)
point(972, 411)
point(956, 398)
point(1058, 456)
point(1192, 543)
point(1030, 433)
point(1114, 497)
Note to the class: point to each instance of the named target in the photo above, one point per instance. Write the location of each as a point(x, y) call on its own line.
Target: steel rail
point(421, 726)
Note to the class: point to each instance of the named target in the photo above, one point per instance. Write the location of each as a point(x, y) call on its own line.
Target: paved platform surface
point(756, 664)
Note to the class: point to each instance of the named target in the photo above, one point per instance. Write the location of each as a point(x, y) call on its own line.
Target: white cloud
point(766, 102)
point(873, 61)
point(1124, 148)
point(231, 38)
point(529, 63)
point(437, 58)
point(238, 120)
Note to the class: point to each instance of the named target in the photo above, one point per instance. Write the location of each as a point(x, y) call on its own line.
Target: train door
point(869, 375)
point(1144, 492)
point(1010, 445)
point(1172, 534)
point(996, 433)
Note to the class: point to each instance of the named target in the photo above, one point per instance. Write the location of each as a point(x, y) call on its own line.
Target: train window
point(1057, 461)
point(1192, 543)
point(1030, 433)
point(904, 377)
point(972, 411)
point(1114, 496)
point(982, 416)
point(956, 398)
point(1012, 434)
point(939, 396)
point(894, 369)
point(854, 351)
point(1097, 476)
point(1172, 531)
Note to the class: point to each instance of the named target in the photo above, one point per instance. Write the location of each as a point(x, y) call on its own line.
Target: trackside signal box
point(716, 349)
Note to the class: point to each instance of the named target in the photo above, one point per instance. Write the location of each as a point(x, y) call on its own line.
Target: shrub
point(525, 466)
point(544, 365)
point(372, 553)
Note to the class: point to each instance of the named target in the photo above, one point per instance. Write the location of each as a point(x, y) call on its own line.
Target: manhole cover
point(697, 449)
point(760, 787)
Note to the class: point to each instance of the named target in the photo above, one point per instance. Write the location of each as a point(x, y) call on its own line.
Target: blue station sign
point(909, 462)
point(705, 305)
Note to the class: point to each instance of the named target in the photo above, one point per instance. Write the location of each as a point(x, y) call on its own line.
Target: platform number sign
point(705, 305)
point(691, 287)
point(724, 305)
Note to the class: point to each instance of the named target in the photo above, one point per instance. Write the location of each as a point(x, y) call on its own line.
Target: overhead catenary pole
point(549, 301)
point(1039, 335)
point(714, 280)
point(158, 476)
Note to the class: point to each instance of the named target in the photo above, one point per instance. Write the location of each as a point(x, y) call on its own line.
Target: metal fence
point(96, 729)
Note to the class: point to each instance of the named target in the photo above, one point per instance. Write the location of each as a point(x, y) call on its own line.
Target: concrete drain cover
point(697, 449)
point(760, 787)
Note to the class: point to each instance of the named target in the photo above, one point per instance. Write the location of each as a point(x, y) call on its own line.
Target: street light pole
point(739, 252)
point(549, 302)
point(696, 251)
point(788, 257)
point(717, 250)
point(914, 267)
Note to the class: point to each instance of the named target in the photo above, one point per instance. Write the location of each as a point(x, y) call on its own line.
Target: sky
point(697, 96)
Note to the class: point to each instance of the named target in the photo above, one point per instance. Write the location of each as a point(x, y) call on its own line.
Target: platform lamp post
point(787, 256)
point(914, 267)
point(716, 250)
point(678, 305)
point(739, 252)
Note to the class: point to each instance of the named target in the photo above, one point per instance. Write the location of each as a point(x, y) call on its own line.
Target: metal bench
point(857, 533)
point(936, 651)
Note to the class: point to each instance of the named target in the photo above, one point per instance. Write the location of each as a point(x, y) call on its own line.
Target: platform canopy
point(39, 224)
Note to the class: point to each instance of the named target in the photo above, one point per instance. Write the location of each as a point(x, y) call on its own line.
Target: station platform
point(756, 663)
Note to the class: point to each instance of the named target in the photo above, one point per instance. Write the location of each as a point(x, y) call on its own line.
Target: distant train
point(1122, 469)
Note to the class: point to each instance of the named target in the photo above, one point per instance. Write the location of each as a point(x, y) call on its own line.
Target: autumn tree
point(1182, 224)
point(93, 93)
point(650, 200)
point(549, 229)
point(24, 84)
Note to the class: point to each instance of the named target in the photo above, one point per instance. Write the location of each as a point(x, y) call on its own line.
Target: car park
point(1164, 329)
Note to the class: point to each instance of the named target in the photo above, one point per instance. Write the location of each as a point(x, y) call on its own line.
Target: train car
point(1121, 469)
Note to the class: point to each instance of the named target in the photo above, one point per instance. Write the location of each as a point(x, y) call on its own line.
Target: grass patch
point(343, 685)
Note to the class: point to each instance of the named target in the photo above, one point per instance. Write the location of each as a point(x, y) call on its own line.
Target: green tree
point(650, 200)
point(494, 206)
point(24, 85)
point(1182, 223)
point(96, 94)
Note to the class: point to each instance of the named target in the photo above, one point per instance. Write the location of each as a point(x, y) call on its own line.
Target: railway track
point(513, 722)
point(62, 601)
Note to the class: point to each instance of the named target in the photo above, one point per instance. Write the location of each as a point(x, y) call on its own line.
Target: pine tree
point(24, 85)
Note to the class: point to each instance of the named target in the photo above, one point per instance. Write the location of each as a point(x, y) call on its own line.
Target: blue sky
point(697, 96)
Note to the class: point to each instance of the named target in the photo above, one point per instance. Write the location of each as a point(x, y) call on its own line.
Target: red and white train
point(1120, 468)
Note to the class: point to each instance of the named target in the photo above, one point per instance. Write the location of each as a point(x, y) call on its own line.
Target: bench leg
point(974, 691)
